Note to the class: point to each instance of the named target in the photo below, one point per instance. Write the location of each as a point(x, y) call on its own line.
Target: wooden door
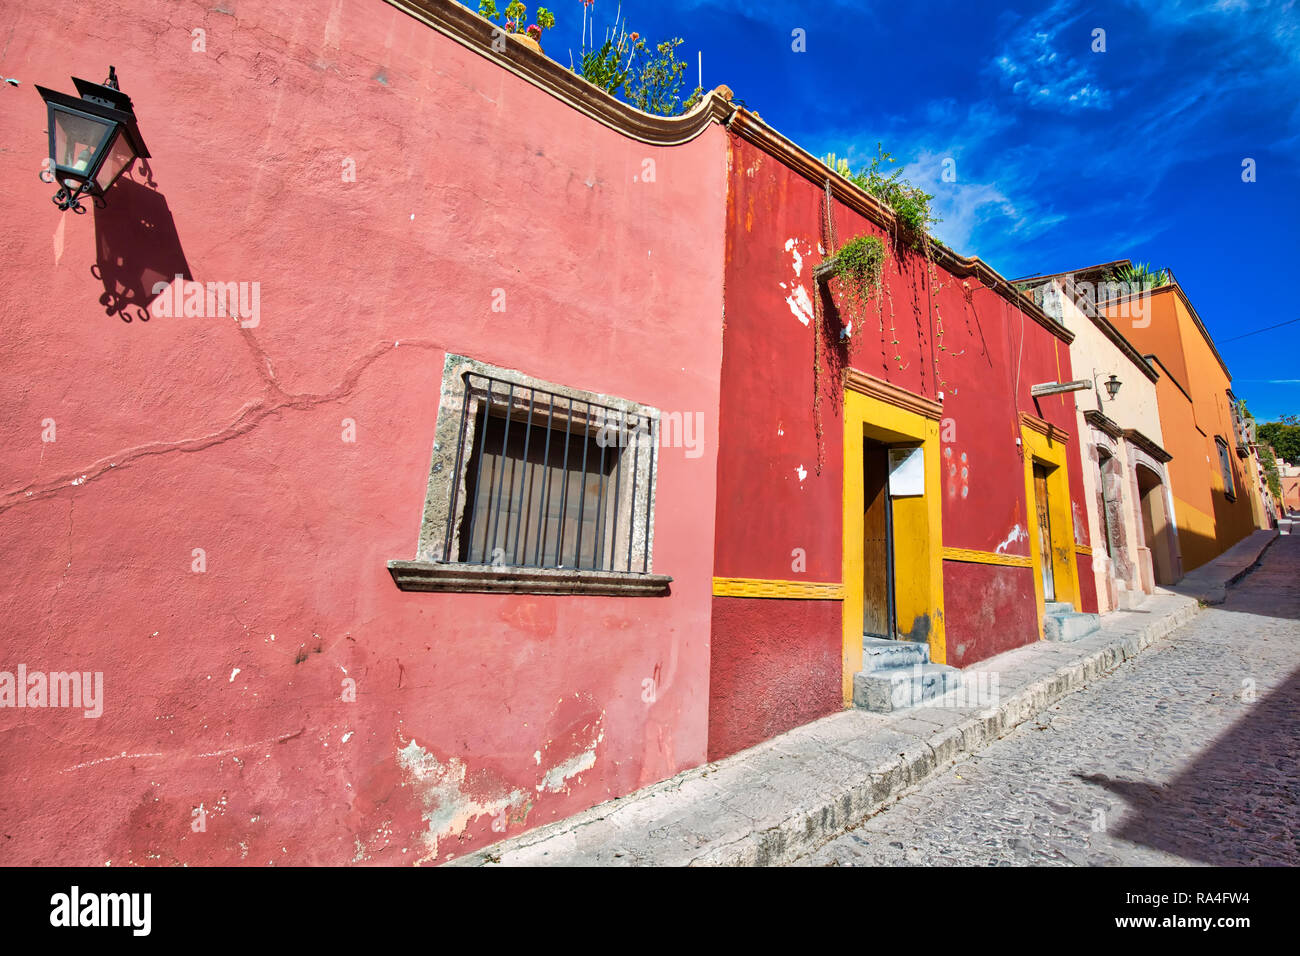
point(1044, 531)
point(875, 539)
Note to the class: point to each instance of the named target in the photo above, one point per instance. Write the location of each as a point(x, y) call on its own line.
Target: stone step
point(901, 687)
point(1058, 607)
point(1070, 627)
point(879, 653)
point(1127, 600)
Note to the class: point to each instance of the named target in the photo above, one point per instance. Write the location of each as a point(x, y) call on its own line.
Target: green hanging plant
point(859, 263)
point(859, 267)
point(911, 204)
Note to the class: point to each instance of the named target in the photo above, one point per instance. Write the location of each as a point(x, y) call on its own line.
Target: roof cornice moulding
point(476, 33)
point(748, 126)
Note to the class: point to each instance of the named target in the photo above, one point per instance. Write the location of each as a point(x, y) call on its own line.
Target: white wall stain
point(555, 779)
point(1017, 534)
point(798, 259)
point(802, 473)
point(799, 301)
point(800, 304)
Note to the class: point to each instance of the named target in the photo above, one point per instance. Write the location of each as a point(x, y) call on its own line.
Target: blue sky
point(1065, 157)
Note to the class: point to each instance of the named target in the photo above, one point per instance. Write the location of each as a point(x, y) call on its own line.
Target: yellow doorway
point(878, 412)
point(1050, 521)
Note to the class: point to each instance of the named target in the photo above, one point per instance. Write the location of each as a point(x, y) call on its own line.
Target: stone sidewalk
point(792, 794)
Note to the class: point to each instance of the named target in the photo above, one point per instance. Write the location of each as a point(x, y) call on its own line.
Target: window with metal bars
point(550, 480)
point(1225, 466)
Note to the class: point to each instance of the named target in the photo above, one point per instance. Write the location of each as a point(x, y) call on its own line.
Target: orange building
point(1210, 478)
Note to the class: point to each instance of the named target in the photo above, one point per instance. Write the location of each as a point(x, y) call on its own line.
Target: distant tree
point(1271, 475)
point(1284, 436)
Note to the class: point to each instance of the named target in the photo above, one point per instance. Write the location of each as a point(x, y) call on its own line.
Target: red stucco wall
point(772, 669)
point(986, 610)
point(772, 497)
point(222, 688)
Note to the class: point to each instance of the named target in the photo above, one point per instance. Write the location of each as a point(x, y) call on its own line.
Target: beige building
point(1263, 508)
point(1131, 526)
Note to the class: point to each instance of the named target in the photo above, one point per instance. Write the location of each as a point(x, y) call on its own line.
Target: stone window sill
point(440, 576)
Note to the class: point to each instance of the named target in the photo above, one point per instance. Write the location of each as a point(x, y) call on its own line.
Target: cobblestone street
point(1186, 755)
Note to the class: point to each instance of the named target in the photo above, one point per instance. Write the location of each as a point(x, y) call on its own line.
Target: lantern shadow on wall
point(94, 143)
point(136, 247)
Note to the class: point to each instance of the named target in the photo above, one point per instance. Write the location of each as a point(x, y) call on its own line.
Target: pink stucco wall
point(223, 688)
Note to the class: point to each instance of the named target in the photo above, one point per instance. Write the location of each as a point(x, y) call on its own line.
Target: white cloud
point(1036, 64)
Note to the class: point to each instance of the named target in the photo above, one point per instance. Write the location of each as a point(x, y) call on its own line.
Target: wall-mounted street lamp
point(93, 140)
point(1112, 386)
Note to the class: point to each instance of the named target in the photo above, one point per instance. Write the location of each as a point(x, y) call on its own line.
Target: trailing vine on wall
point(859, 266)
point(913, 218)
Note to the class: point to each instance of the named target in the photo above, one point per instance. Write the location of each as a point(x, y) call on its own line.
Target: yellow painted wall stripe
point(970, 556)
point(1082, 549)
point(761, 588)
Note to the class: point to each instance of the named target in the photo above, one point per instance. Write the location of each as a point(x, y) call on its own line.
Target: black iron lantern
point(93, 140)
point(1112, 386)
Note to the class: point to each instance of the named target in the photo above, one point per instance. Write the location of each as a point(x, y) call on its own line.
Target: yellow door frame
point(1046, 444)
point(875, 409)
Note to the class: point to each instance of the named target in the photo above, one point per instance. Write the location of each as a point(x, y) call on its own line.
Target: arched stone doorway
point(1110, 505)
point(1156, 525)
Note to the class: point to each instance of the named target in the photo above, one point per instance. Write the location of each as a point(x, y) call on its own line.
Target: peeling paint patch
point(802, 473)
point(233, 675)
point(440, 787)
point(798, 259)
point(557, 777)
point(1017, 534)
point(800, 305)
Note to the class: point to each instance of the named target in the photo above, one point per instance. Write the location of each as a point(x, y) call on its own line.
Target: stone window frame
point(431, 571)
point(1225, 468)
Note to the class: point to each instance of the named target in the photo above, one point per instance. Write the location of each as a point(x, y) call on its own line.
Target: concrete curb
point(806, 830)
point(788, 796)
point(1210, 582)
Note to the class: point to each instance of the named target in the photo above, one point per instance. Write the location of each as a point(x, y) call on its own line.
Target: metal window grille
point(551, 481)
point(1225, 465)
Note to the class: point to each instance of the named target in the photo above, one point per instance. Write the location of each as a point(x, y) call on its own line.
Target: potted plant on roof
point(514, 21)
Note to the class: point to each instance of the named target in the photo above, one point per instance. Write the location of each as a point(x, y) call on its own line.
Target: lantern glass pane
point(77, 140)
point(119, 157)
